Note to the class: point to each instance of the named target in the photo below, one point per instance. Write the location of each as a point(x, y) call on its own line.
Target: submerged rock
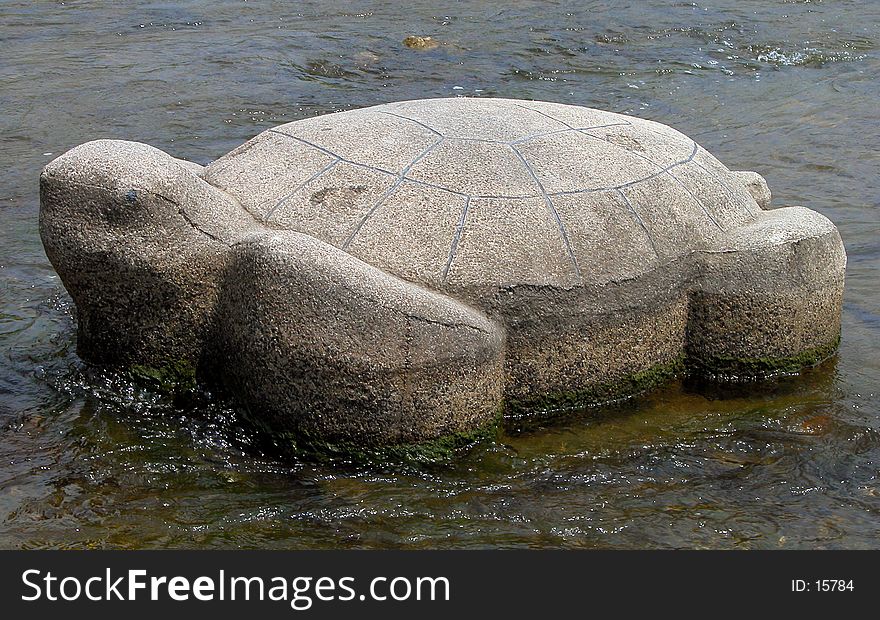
point(420, 43)
point(399, 274)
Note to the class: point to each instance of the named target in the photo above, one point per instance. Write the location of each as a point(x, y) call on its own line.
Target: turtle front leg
point(329, 353)
point(769, 296)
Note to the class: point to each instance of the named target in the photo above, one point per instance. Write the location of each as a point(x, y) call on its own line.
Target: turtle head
point(139, 239)
point(109, 188)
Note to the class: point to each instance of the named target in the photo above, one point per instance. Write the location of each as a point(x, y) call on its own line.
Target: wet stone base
point(180, 377)
point(736, 368)
point(597, 394)
point(303, 445)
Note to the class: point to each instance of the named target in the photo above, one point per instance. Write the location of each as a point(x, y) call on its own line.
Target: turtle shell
point(469, 192)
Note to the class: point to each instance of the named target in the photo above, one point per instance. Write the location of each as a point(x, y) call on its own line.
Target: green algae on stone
point(600, 393)
point(748, 368)
point(170, 378)
point(304, 445)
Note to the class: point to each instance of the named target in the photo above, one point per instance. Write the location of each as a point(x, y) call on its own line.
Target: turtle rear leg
point(756, 186)
point(769, 296)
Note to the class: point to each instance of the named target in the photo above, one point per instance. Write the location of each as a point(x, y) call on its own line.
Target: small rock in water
point(420, 43)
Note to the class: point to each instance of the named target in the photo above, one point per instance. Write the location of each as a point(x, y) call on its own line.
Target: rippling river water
point(789, 89)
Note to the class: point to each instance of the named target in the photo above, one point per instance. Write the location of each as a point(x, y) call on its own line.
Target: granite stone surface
point(402, 273)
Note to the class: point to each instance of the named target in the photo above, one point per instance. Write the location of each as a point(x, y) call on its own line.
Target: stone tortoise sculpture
point(399, 274)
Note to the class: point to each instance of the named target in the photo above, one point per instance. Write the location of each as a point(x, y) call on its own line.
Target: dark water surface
point(789, 89)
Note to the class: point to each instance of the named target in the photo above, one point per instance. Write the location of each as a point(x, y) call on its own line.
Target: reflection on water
point(785, 88)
